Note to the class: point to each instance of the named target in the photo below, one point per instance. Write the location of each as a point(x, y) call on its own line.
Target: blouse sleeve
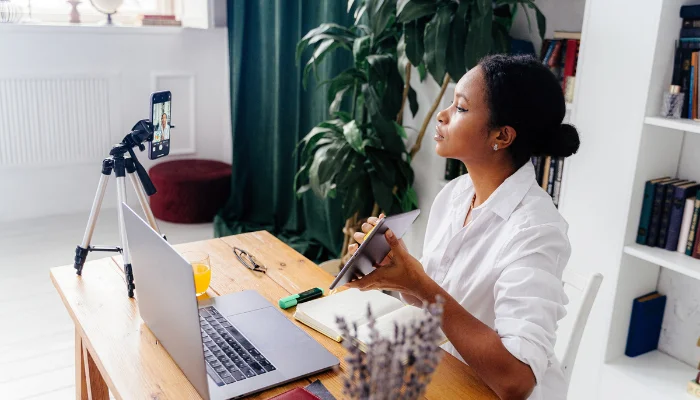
point(529, 297)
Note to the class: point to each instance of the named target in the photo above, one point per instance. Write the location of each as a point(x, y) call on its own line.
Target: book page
point(351, 304)
point(385, 323)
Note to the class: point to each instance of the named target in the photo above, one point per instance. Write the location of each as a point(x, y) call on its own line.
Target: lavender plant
point(398, 367)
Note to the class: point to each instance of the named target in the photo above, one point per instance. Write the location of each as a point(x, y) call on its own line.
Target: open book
point(320, 314)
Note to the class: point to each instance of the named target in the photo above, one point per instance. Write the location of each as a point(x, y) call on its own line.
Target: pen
point(291, 301)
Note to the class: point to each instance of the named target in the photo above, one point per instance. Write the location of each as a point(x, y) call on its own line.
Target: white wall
point(138, 61)
point(562, 15)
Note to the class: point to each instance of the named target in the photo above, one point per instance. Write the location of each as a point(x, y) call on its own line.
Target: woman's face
point(462, 130)
point(163, 120)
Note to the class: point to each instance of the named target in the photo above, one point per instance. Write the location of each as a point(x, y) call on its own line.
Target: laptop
point(228, 346)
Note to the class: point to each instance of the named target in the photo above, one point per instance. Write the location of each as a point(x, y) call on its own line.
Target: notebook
point(320, 314)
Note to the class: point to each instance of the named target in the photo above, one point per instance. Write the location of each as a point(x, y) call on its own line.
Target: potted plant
point(359, 154)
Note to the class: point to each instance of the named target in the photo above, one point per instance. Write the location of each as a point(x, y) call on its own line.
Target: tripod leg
point(82, 250)
point(119, 170)
point(141, 194)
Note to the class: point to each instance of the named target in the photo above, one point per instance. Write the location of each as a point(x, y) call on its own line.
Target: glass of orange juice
point(201, 268)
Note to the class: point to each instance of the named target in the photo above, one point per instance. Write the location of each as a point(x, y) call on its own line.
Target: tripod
point(121, 165)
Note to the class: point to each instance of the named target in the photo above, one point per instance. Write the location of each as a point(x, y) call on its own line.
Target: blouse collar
point(505, 198)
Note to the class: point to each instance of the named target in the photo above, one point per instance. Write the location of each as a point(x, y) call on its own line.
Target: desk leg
point(89, 382)
point(80, 382)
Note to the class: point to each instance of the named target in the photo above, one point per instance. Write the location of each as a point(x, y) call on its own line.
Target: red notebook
point(296, 394)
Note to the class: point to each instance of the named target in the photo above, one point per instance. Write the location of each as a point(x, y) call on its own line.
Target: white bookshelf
point(685, 125)
point(624, 143)
point(673, 260)
point(656, 372)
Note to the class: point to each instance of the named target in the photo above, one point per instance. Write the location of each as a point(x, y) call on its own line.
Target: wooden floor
point(36, 333)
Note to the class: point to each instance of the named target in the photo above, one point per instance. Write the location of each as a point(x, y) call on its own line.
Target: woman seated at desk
point(495, 245)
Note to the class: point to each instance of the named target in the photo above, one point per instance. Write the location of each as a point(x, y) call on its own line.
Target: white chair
point(577, 314)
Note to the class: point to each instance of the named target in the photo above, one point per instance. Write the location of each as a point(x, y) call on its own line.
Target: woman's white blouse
point(505, 267)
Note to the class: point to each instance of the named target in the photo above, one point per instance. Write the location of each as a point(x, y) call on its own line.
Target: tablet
point(373, 250)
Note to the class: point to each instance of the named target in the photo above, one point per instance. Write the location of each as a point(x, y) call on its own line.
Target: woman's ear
point(504, 137)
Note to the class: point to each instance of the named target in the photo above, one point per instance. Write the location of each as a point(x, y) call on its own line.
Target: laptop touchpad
point(268, 330)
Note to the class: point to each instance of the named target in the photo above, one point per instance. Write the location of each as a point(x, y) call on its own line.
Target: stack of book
point(686, 68)
point(159, 20)
point(548, 171)
point(669, 217)
point(561, 55)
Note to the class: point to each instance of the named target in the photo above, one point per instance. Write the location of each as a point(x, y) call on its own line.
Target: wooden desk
point(114, 348)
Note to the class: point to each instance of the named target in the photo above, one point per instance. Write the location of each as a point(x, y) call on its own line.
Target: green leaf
point(541, 21)
point(401, 58)
point(413, 34)
point(437, 33)
point(371, 99)
point(325, 167)
point(386, 132)
point(383, 193)
point(478, 38)
point(350, 3)
point(383, 163)
point(412, 101)
point(409, 10)
point(354, 136)
point(501, 39)
point(320, 53)
point(379, 13)
point(457, 41)
point(484, 6)
point(409, 201)
point(343, 116)
point(400, 130)
point(422, 73)
point(323, 29)
point(527, 16)
point(358, 197)
point(335, 104)
point(359, 13)
point(361, 49)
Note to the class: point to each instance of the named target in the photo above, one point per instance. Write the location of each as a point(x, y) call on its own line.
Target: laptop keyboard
point(229, 356)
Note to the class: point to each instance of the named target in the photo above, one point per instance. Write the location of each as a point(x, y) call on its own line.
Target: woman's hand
point(399, 271)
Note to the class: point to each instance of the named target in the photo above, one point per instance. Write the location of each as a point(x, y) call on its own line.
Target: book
point(657, 210)
point(567, 35)
point(320, 314)
point(545, 172)
point(645, 324)
point(570, 60)
point(696, 245)
point(685, 224)
point(690, 11)
point(666, 212)
point(686, 55)
point(678, 200)
point(554, 57)
point(550, 50)
point(645, 217)
point(690, 32)
point(295, 394)
point(557, 181)
point(690, 23)
point(694, 79)
point(692, 231)
point(551, 176)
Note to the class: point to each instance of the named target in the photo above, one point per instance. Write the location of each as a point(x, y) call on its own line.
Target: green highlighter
point(291, 301)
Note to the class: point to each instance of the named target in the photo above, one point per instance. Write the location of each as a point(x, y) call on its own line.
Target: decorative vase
point(74, 14)
point(10, 13)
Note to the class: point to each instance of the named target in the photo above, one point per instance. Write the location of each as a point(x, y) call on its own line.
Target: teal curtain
point(270, 113)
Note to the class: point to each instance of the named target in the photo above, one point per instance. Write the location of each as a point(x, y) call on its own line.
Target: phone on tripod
point(160, 116)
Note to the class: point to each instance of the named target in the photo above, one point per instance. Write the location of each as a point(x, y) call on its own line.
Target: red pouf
point(190, 191)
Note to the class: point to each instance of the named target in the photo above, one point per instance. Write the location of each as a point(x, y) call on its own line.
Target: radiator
point(46, 120)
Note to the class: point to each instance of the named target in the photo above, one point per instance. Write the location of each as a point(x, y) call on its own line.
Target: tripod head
point(140, 133)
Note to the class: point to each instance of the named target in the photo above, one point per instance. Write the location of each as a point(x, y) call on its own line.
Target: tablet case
point(375, 248)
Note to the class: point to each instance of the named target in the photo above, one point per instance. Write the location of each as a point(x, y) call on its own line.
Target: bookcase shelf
point(655, 371)
point(673, 260)
point(685, 125)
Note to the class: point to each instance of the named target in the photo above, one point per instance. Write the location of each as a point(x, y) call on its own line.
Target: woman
point(495, 245)
point(163, 130)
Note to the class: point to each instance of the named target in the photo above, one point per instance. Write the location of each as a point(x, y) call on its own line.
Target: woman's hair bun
point(560, 142)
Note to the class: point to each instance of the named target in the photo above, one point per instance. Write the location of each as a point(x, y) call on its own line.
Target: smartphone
point(160, 116)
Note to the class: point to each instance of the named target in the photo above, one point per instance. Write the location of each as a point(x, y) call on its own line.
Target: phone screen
point(161, 126)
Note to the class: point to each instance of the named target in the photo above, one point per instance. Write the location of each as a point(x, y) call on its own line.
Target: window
point(58, 11)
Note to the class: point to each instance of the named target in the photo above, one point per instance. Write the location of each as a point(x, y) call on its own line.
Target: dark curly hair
point(523, 93)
